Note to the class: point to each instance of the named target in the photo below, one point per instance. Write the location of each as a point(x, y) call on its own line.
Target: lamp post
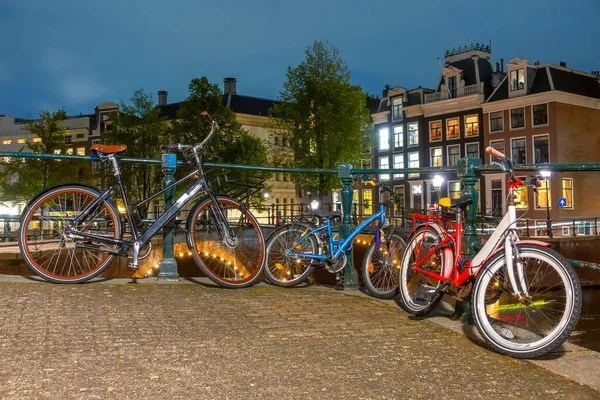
point(437, 182)
point(546, 176)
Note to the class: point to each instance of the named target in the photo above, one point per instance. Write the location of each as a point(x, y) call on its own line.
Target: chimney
point(563, 64)
point(502, 65)
point(229, 86)
point(386, 90)
point(162, 97)
point(497, 67)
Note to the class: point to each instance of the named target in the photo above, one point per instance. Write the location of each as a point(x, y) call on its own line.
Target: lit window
point(22, 141)
point(521, 200)
point(472, 126)
point(57, 151)
point(519, 151)
point(497, 121)
point(567, 191)
point(367, 201)
point(435, 130)
point(540, 114)
point(7, 142)
point(413, 162)
point(384, 139)
point(413, 134)
point(81, 151)
point(384, 163)
point(517, 79)
point(398, 164)
point(454, 189)
point(544, 194)
point(453, 154)
point(437, 158)
point(70, 151)
point(517, 118)
point(37, 140)
point(452, 129)
point(398, 137)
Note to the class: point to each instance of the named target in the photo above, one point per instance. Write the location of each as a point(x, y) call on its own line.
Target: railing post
point(527, 222)
point(466, 173)
point(168, 265)
point(349, 275)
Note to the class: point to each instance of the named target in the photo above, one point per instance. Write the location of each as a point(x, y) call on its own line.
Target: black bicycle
point(71, 232)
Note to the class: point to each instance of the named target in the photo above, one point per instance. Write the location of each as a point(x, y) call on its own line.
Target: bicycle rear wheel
point(283, 267)
point(418, 292)
point(380, 269)
point(231, 265)
point(537, 324)
point(47, 248)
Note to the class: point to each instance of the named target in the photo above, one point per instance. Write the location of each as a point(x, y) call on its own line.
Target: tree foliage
point(322, 116)
point(22, 179)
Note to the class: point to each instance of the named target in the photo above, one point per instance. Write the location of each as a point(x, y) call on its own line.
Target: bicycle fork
point(517, 281)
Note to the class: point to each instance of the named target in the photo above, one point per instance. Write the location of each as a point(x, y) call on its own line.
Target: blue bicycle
point(294, 250)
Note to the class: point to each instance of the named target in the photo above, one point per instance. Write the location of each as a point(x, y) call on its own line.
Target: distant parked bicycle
point(71, 232)
point(525, 297)
point(294, 250)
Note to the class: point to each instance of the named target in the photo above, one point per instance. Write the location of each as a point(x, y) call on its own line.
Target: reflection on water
point(587, 332)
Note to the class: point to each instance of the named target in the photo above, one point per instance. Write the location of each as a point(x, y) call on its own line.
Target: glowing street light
point(314, 204)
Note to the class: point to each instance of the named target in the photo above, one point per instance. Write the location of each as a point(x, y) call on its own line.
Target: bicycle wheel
point(418, 292)
point(537, 324)
point(381, 265)
point(231, 265)
point(286, 269)
point(45, 245)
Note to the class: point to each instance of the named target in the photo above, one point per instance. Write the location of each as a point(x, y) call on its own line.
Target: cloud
point(82, 89)
point(5, 74)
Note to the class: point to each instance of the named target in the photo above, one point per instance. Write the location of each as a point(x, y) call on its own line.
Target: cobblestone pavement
point(117, 339)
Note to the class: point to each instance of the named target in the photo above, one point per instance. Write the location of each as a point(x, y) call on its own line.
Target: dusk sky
point(77, 54)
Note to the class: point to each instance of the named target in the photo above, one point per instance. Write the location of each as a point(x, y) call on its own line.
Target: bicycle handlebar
point(493, 152)
point(197, 147)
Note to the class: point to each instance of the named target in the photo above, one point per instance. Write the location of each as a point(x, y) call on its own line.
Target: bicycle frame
point(337, 247)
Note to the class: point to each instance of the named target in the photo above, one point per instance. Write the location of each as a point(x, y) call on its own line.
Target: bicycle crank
point(335, 266)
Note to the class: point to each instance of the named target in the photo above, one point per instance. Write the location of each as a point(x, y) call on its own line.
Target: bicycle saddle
point(105, 149)
point(461, 202)
point(327, 214)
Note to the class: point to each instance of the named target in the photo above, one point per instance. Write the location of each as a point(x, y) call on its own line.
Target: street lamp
point(437, 182)
point(546, 176)
point(314, 204)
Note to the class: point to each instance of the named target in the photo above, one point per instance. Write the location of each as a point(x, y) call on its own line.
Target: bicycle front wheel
point(534, 325)
point(419, 293)
point(231, 263)
point(283, 267)
point(381, 265)
point(50, 251)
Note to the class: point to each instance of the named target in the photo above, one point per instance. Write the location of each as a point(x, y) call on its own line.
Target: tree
point(25, 178)
point(231, 144)
point(321, 115)
point(140, 126)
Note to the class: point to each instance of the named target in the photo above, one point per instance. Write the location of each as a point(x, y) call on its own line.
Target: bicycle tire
point(381, 275)
point(288, 271)
point(48, 251)
point(418, 294)
point(531, 328)
point(228, 265)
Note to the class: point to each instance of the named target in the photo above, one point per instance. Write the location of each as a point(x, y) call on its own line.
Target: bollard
point(349, 274)
point(168, 265)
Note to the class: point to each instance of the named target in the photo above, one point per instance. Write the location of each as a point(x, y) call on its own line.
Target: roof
point(564, 80)
point(237, 103)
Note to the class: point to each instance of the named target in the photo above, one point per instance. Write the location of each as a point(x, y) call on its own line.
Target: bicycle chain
point(464, 291)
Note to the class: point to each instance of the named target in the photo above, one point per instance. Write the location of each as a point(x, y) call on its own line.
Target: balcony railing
point(460, 92)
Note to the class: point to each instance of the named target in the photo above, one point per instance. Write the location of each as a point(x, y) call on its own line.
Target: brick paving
point(117, 339)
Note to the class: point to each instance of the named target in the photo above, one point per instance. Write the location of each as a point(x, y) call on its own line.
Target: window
point(497, 121)
point(416, 190)
point(384, 163)
point(397, 108)
point(22, 141)
point(540, 149)
point(453, 154)
point(521, 200)
point(37, 140)
point(367, 201)
point(517, 118)
point(498, 145)
point(398, 164)
point(454, 189)
point(472, 150)
point(413, 134)
point(413, 162)
point(452, 86)
point(70, 151)
point(437, 159)
point(544, 195)
point(95, 141)
point(567, 191)
point(68, 139)
point(384, 139)
point(399, 199)
point(7, 142)
point(57, 151)
point(472, 125)
point(398, 137)
point(80, 136)
point(435, 131)
point(452, 129)
point(519, 151)
point(81, 151)
point(540, 114)
point(517, 79)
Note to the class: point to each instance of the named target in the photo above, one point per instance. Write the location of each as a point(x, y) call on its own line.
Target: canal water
point(587, 332)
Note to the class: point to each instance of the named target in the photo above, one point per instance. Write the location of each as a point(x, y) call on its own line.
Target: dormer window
point(397, 108)
point(517, 79)
point(452, 86)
